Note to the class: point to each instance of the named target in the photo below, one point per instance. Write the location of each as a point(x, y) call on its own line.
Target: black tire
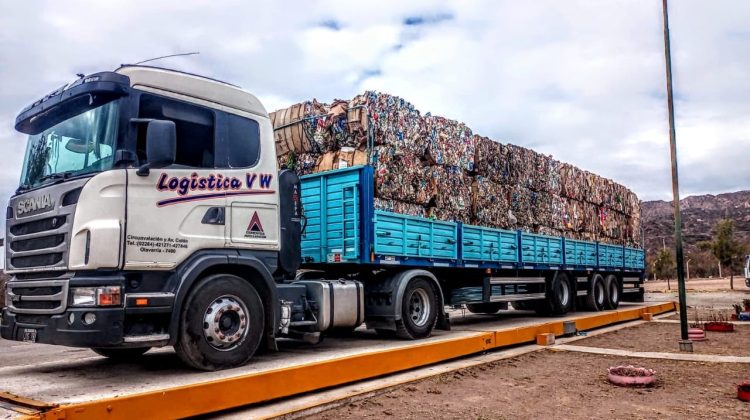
point(120, 354)
point(596, 297)
point(612, 286)
point(419, 310)
point(222, 341)
point(523, 305)
point(488, 308)
point(561, 295)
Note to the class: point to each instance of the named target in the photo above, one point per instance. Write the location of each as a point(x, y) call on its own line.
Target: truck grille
point(39, 241)
point(37, 297)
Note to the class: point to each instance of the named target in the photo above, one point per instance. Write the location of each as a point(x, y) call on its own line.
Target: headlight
point(97, 296)
point(84, 296)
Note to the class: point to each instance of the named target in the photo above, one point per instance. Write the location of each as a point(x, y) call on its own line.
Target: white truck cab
point(137, 184)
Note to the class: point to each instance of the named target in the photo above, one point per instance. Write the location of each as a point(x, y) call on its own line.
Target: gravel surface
point(661, 337)
point(550, 384)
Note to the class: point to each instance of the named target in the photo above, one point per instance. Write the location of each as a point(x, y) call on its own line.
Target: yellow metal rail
point(223, 394)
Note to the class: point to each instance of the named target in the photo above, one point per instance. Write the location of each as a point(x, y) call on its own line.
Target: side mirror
point(161, 145)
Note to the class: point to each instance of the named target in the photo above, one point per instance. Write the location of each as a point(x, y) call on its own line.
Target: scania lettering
point(150, 212)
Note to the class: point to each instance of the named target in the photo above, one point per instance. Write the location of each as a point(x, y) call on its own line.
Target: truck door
point(253, 219)
point(175, 211)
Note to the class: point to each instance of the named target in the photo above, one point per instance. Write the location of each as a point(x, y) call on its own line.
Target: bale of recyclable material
point(400, 207)
point(492, 159)
point(401, 176)
point(490, 203)
point(340, 159)
point(302, 163)
point(449, 143)
point(431, 166)
point(452, 189)
point(302, 128)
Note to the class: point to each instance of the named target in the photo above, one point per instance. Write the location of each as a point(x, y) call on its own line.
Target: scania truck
point(150, 212)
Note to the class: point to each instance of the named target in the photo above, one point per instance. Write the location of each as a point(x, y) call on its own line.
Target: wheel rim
point(419, 307)
point(564, 293)
point(225, 323)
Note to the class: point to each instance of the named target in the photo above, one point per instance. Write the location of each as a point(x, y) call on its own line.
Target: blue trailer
point(483, 268)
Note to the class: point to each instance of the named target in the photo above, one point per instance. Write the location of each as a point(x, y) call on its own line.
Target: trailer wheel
point(596, 296)
point(419, 310)
point(612, 286)
point(222, 323)
point(561, 295)
point(488, 308)
point(120, 354)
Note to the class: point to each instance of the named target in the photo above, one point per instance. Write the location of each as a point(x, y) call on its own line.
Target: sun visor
point(83, 94)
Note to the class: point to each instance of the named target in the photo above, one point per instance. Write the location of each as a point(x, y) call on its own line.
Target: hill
point(699, 216)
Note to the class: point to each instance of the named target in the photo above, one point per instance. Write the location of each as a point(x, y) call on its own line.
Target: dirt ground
point(660, 337)
point(700, 284)
point(551, 384)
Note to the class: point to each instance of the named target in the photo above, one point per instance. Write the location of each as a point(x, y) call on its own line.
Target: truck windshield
point(79, 145)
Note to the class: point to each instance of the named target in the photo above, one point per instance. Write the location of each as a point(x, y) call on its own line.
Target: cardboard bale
point(302, 128)
point(344, 158)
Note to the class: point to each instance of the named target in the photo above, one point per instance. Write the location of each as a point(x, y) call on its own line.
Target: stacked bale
point(430, 166)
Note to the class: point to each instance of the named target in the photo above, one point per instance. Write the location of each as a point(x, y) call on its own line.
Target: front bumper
point(106, 331)
point(51, 324)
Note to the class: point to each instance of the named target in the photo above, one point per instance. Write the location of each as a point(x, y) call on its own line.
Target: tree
point(664, 265)
point(725, 247)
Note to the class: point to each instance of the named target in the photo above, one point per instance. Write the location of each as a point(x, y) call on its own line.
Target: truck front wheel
point(419, 310)
point(222, 323)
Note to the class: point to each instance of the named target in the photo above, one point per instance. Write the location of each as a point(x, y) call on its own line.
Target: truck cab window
point(243, 140)
point(195, 129)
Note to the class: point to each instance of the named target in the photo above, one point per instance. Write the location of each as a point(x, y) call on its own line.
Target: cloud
point(580, 80)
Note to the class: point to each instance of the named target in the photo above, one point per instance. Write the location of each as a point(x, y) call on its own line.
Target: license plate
point(29, 335)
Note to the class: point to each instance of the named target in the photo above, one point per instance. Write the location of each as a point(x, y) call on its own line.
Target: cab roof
point(193, 85)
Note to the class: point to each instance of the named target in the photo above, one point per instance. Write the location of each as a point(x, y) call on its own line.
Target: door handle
point(213, 216)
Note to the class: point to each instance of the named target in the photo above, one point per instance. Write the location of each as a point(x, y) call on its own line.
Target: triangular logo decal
point(255, 228)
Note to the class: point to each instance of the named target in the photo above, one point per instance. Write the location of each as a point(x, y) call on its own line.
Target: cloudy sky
point(580, 80)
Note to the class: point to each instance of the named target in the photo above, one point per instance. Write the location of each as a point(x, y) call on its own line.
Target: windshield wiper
point(58, 176)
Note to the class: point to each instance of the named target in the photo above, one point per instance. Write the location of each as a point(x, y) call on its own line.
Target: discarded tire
point(631, 376)
point(696, 334)
point(743, 391)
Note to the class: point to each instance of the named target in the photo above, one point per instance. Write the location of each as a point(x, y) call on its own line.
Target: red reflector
point(141, 302)
point(108, 296)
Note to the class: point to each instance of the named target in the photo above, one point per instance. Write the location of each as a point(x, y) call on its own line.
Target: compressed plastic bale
point(542, 209)
point(541, 172)
point(344, 158)
point(490, 203)
point(492, 159)
point(452, 188)
point(449, 143)
point(553, 179)
point(522, 166)
point(400, 207)
point(545, 230)
point(521, 213)
point(387, 120)
point(342, 135)
point(572, 182)
point(449, 215)
point(401, 176)
point(557, 212)
point(302, 163)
